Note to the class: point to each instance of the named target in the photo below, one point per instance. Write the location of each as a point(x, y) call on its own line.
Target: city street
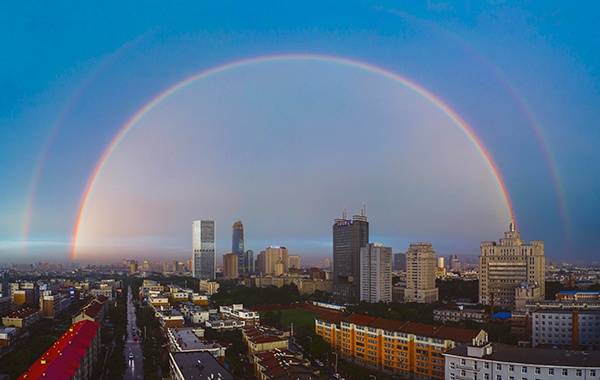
point(135, 368)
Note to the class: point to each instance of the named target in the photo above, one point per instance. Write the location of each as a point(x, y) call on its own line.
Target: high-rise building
point(250, 262)
point(349, 236)
point(230, 265)
point(376, 273)
point(440, 262)
point(399, 262)
point(4, 282)
point(273, 260)
point(204, 248)
point(420, 274)
point(507, 265)
point(237, 246)
point(454, 264)
point(293, 262)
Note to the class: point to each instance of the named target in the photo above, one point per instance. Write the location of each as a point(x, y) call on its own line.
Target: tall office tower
point(273, 260)
point(203, 247)
point(249, 262)
point(376, 273)
point(293, 262)
point(399, 262)
point(237, 245)
point(349, 236)
point(508, 264)
point(230, 265)
point(420, 274)
point(454, 264)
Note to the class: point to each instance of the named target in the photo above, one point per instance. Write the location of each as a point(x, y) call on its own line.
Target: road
point(135, 367)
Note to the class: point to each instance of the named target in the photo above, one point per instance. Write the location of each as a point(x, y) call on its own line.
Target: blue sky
point(72, 74)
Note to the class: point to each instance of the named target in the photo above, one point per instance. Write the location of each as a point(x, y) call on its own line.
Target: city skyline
point(418, 110)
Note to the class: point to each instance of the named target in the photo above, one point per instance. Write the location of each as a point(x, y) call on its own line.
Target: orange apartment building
point(407, 348)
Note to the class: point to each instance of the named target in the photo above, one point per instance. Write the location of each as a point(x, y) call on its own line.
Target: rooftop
point(63, 358)
point(199, 365)
point(187, 340)
point(421, 329)
point(23, 312)
point(539, 356)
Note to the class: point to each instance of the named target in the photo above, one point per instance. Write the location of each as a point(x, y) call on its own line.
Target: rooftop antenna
point(363, 210)
point(344, 214)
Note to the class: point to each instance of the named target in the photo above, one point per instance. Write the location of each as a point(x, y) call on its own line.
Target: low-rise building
point(405, 348)
point(225, 324)
point(21, 318)
point(93, 311)
point(494, 361)
point(72, 356)
point(7, 336)
point(170, 318)
point(237, 311)
point(262, 338)
point(460, 313)
point(578, 296)
point(188, 340)
point(196, 365)
point(282, 365)
point(208, 287)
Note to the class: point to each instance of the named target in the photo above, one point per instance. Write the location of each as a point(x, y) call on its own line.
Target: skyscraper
point(376, 273)
point(250, 262)
point(509, 264)
point(203, 247)
point(237, 246)
point(230, 265)
point(420, 274)
point(399, 262)
point(454, 264)
point(349, 236)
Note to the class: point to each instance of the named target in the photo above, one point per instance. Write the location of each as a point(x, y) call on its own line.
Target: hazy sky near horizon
point(286, 146)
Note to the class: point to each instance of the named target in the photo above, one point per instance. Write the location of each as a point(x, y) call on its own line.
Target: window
point(486, 365)
point(511, 367)
point(498, 377)
point(523, 369)
point(592, 372)
point(578, 372)
point(550, 371)
point(565, 372)
point(463, 361)
point(498, 366)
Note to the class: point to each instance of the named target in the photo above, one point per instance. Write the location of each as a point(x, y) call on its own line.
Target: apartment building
point(405, 348)
point(566, 328)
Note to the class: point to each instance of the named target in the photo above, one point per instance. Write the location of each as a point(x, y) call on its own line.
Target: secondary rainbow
point(122, 133)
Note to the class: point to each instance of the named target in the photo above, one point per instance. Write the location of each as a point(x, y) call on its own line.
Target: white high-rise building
point(420, 274)
point(376, 273)
point(203, 248)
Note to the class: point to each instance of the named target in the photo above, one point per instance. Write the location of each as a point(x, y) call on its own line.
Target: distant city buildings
point(245, 263)
point(203, 247)
point(399, 262)
point(293, 262)
point(420, 274)
point(455, 264)
point(376, 273)
point(506, 265)
point(349, 236)
point(273, 261)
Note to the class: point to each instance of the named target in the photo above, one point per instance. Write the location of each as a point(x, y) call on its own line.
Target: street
point(133, 350)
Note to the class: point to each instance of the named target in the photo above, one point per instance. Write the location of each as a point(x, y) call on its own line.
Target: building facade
point(230, 265)
point(237, 246)
point(420, 274)
point(406, 348)
point(455, 264)
point(399, 262)
point(508, 264)
point(566, 328)
point(493, 361)
point(293, 262)
point(349, 236)
point(203, 247)
point(376, 273)
point(273, 260)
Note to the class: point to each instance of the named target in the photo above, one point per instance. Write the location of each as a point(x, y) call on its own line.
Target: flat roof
point(188, 340)
point(199, 365)
point(537, 356)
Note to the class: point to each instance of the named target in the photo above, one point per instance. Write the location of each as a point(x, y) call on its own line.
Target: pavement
point(135, 367)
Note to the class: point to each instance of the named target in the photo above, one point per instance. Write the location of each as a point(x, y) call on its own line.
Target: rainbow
point(130, 123)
